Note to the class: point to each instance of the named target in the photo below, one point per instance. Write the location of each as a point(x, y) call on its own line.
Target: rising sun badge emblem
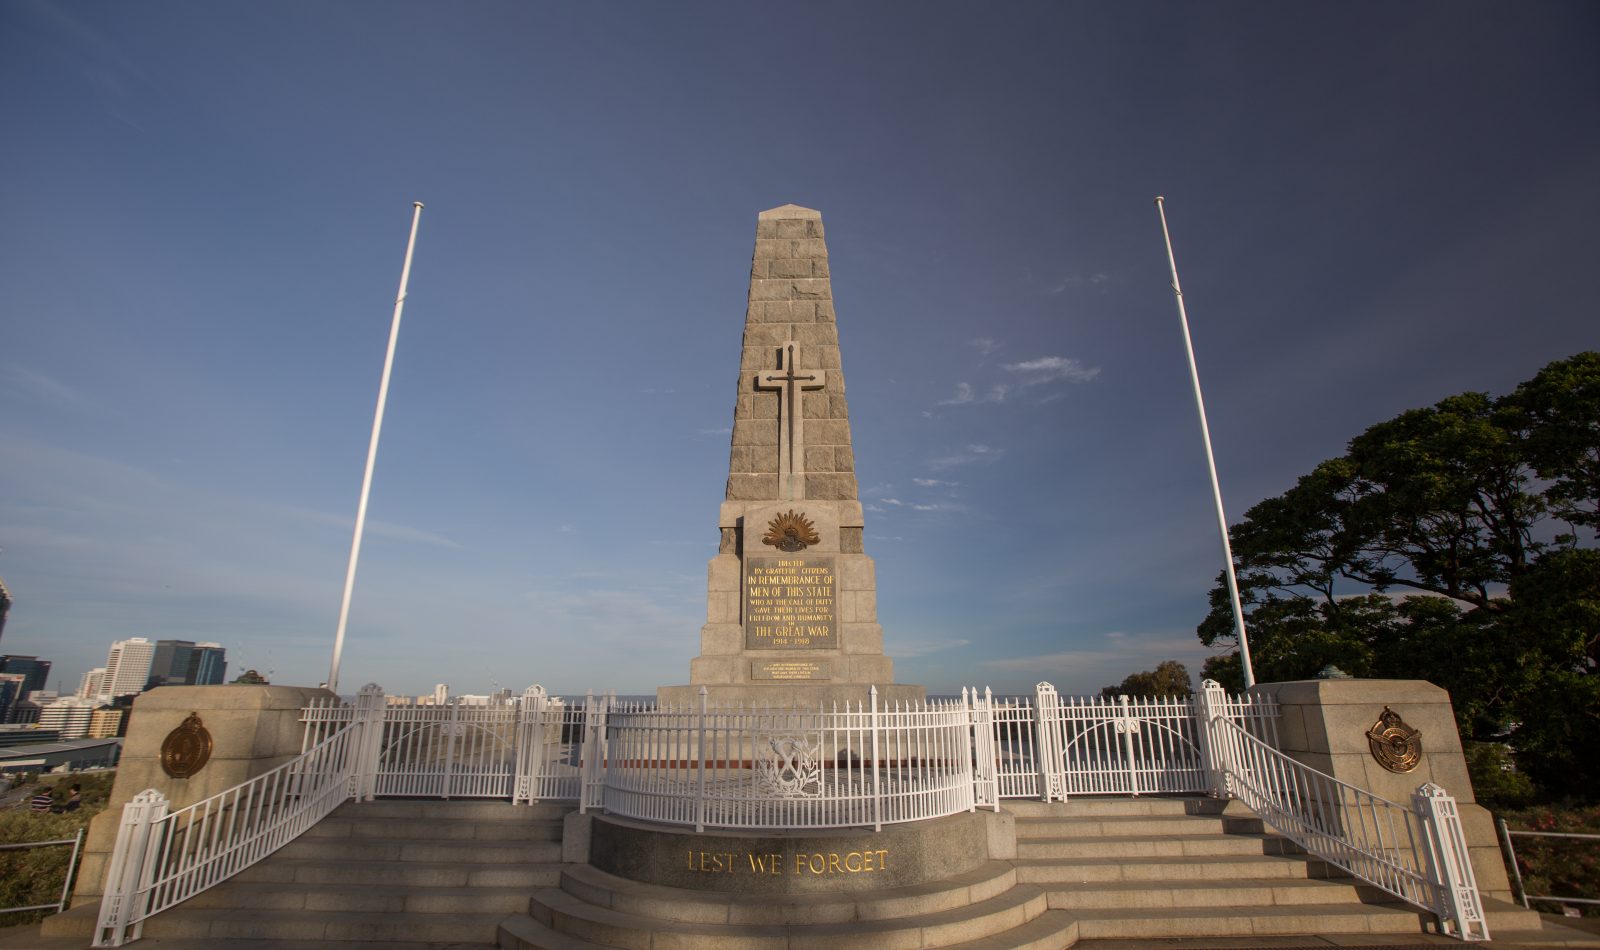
point(791, 532)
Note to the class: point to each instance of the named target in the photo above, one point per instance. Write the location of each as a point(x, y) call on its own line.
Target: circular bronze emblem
point(1395, 745)
point(186, 748)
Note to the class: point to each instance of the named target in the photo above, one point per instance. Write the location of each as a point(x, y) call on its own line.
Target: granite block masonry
point(791, 597)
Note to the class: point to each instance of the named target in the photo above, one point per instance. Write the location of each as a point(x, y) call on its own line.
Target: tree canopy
point(1453, 543)
point(1169, 678)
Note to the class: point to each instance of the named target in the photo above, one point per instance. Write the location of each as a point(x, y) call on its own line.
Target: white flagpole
point(1211, 461)
point(372, 451)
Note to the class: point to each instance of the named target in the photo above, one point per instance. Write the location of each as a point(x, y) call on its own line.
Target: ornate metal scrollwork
point(791, 531)
point(788, 766)
point(187, 749)
point(1395, 745)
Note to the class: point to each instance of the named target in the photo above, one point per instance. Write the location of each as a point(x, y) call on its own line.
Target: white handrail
point(1418, 854)
point(162, 858)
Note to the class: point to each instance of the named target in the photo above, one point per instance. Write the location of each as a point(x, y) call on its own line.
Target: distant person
point(74, 801)
point(42, 801)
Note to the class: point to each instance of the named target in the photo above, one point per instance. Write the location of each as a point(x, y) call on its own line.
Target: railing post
point(1128, 726)
point(591, 779)
point(1210, 705)
point(700, 775)
point(1449, 864)
point(124, 901)
point(370, 709)
point(877, 769)
point(1047, 739)
point(980, 712)
point(530, 745)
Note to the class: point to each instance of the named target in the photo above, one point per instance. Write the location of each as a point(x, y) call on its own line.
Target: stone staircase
point(391, 873)
point(1091, 869)
point(415, 874)
point(983, 908)
point(1190, 867)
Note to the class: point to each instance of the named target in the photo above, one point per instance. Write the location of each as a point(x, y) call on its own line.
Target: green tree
point(1432, 549)
point(1558, 411)
point(1169, 678)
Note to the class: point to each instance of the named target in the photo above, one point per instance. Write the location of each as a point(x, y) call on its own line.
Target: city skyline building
point(69, 715)
point(5, 607)
point(36, 670)
point(128, 667)
point(187, 663)
point(13, 687)
point(89, 686)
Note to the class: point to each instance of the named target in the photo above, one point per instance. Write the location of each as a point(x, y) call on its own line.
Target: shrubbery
point(35, 875)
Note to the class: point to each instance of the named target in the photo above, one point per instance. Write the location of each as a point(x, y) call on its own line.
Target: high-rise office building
point(36, 670)
point(128, 667)
point(186, 663)
point(208, 664)
point(13, 686)
point(89, 687)
point(5, 606)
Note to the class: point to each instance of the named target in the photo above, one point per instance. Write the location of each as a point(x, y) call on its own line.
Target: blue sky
point(203, 211)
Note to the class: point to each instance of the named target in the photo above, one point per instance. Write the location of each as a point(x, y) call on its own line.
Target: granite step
point(1045, 826)
point(1042, 870)
point(366, 898)
point(1051, 930)
point(458, 873)
point(359, 826)
point(374, 927)
point(1128, 806)
point(1132, 923)
point(1215, 892)
point(1140, 846)
point(420, 848)
point(590, 925)
point(718, 907)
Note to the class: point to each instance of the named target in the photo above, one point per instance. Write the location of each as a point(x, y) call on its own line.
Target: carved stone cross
point(789, 382)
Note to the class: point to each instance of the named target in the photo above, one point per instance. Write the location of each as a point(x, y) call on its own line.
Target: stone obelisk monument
point(791, 597)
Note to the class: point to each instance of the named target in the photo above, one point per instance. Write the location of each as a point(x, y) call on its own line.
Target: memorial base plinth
point(798, 862)
point(806, 696)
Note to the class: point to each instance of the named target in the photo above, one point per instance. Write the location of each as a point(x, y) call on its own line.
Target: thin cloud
point(1097, 280)
point(984, 345)
point(44, 388)
point(933, 483)
point(1020, 376)
point(963, 395)
point(976, 452)
point(1049, 369)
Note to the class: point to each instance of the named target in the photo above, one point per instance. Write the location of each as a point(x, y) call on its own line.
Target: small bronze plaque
point(788, 670)
point(187, 749)
point(1395, 745)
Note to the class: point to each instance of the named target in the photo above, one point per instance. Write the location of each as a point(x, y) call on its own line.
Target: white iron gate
point(1053, 747)
point(452, 750)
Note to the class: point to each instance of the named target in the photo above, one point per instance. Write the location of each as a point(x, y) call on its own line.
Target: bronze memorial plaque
point(788, 670)
point(790, 603)
point(187, 749)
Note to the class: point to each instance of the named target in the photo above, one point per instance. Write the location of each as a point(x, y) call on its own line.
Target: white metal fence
point(1054, 747)
point(1417, 853)
point(164, 857)
point(762, 768)
point(854, 764)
